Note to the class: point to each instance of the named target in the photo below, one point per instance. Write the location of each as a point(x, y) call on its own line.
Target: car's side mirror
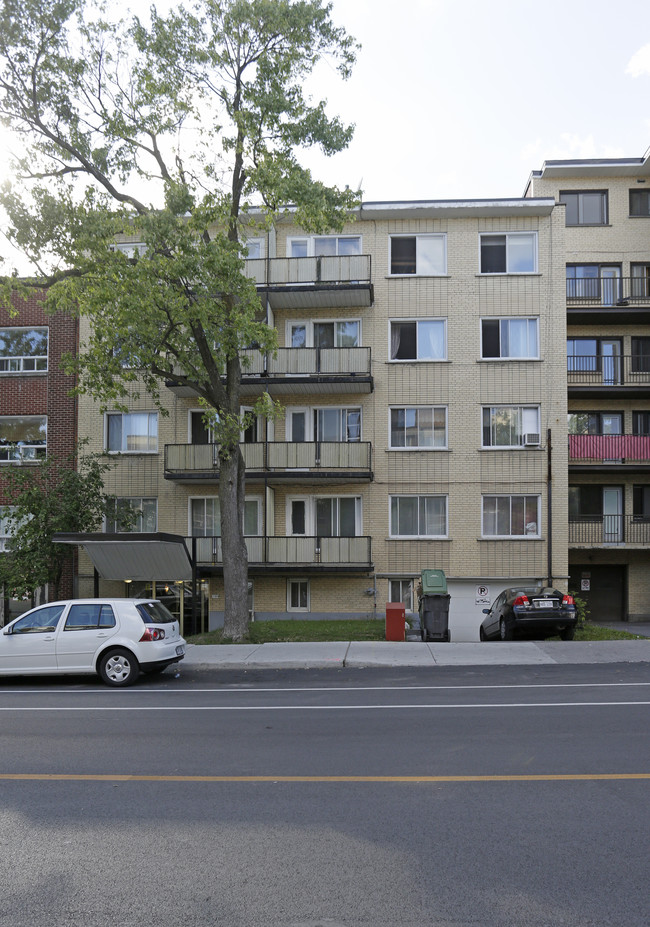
point(8, 631)
point(486, 611)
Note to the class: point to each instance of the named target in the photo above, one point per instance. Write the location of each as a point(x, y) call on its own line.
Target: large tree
point(182, 132)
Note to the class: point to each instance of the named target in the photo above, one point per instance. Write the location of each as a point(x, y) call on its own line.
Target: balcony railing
point(291, 551)
point(609, 448)
point(330, 269)
point(307, 362)
point(600, 530)
point(619, 370)
point(273, 456)
point(608, 291)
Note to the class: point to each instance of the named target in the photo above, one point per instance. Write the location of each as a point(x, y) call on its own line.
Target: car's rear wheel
point(567, 634)
point(118, 668)
point(505, 632)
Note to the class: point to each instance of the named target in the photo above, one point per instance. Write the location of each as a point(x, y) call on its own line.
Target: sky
point(462, 99)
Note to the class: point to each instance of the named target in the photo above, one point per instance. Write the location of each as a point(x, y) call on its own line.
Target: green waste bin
point(434, 606)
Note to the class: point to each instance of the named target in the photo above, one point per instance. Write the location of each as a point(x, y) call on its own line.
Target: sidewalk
point(384, 653)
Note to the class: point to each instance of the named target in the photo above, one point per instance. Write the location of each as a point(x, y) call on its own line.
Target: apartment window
point(133, 514)
point(585, 207)
point(421, 255)
point(512, 253)
point(510, 426)
point(205, 517)
point(325, 517)
point(418, 516)
point(641, 503)
point(342, 334)
point(511, 516)
point(401, 590)
point(5, 531)
point(585, 501)
point(595, 423)
point(640, 202)
point(132, 432)
point(254, 247)
point(131, 249)
point(324, 246)
point(23, 438)
point(599, 282)
point(337, 424)
point(23, 350)
point(514, 339)
point(640, 281)
point(641, 354)
point(423, 340)
point(418, 427)
point(298, 595)
point(641, 423)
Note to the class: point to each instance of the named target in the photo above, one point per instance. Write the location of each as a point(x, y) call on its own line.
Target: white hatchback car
point(116, 638)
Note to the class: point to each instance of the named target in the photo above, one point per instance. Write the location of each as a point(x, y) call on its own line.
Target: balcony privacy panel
point(630, 448)
point(352, 268)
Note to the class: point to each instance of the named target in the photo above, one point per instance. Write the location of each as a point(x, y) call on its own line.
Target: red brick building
point(38, 417)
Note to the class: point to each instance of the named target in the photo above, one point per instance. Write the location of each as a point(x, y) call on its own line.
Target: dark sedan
point(529, 611)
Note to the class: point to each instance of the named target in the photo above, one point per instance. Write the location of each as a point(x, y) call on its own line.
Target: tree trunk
point(235, 555)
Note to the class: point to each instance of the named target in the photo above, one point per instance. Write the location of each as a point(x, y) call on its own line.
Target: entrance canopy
point(134, 556)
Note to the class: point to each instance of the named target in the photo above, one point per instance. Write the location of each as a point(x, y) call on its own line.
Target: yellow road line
point(74, 777)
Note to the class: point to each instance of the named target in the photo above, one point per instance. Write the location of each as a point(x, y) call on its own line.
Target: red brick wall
point(44, 393)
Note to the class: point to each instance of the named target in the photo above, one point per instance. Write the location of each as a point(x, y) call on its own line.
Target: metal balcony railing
point(331, 269)
point(291, 551)
point(601, 370)
point(273, 456)
point(608, 291)
point(307, 362)
point(599, 530)
point(609, 448)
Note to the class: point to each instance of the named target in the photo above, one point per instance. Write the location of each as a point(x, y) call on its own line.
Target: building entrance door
point(602, 586)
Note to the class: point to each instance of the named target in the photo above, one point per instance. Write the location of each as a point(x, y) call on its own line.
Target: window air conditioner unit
point(531, 440)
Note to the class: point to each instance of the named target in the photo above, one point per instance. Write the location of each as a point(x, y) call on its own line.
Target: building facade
point(607, 259)
point(38, 416)
point(422, 374)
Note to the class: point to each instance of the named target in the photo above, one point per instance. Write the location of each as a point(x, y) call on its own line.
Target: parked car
point(116, 638)
point(530, 611)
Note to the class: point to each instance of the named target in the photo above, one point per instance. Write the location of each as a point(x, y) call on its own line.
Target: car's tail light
point(153, 634)
point(568, 600)
point(521, 600)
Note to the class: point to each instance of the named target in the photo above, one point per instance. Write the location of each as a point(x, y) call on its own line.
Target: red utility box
point(395, 621)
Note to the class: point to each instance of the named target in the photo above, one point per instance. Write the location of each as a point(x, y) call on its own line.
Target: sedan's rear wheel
point(118, 668)
point(567, 634)
point(505, 632)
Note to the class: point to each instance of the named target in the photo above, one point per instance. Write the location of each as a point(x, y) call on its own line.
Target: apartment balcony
point(608, 300)
point(327, 282)
point(275, 461)
point(631, 531)
point(300, 371)
point(623, 376)
point(618, 453)
point(290, 554)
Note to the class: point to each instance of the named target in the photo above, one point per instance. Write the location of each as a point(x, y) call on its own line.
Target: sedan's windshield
point(155, 613)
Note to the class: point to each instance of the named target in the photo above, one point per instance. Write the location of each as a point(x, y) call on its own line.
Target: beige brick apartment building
point(422, 371)
point(607, 259)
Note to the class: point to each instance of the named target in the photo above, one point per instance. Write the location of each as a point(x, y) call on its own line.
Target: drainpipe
point(549, 498)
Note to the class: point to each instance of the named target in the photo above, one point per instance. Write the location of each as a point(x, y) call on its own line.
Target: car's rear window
point(154, 613)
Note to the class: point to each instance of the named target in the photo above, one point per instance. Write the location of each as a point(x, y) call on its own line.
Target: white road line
point(7, 709)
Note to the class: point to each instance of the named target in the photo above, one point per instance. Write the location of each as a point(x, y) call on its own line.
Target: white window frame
point(520, 410)
point(417, 496)
point(5, 534)
point(416, 359)
point(527, 535)
point(507, 319)
point(417, 447)
point(131, 249)
point(124, 436)
point(258, 500)
point(309, 330)
point(419, 254)
point(508, 237)
point(310, 413)
point(310, 513)
point(310, 239)
point(298, 580)
point(410, 595)
point(13, 363)
point(256, 242)
point(21, 452)
point(580, 195)
point(136, 504)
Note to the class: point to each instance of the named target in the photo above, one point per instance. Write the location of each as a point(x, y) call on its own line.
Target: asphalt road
point(369, 798)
